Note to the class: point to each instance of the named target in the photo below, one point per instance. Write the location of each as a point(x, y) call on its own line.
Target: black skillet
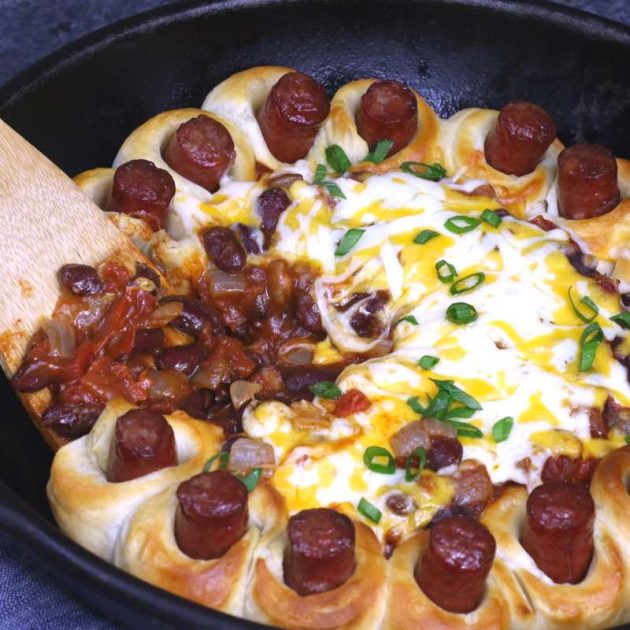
point(78, 105)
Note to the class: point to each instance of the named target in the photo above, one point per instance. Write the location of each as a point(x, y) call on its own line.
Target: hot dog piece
point(453, 570)
point(388, 111)
point(558, 532)
point(211, 514)
point(143, 443)
point(201, 150)
point(519, 139)
point(587, 181)
point(290, 119)
point(320, 553)
point(143, 190)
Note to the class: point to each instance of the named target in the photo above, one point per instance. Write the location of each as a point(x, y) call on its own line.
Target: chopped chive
point(410, 318)
point(320, 174)
point(333, 189)
point(623, 319)
point(502, 428)
point(465, 430)
point(445, 271)
point(222, 456)
point(424, 236)
point(467, 283)
point(433, 172)
point(348, 241)
point(460, 412)
point(374, 453)
point(337, 158)
point(589, 341)
point(461, 313)
point(427, 361)
point(491, 218)
point(456, 393)
point(370, 511)
point(251, 479)
point(325, 389)
point(380, 151)
point(590, 305)
point(413, 469)
point(461, 224)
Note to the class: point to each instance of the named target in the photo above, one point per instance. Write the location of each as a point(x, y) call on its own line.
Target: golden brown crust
point(148, 550)
point(596, 602)
point(358, 603)
point(420, 612)
point(90, 509)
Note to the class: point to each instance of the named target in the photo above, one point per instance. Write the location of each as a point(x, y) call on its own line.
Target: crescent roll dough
point(90, 509)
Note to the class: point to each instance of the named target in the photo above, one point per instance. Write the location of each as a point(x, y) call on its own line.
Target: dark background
point(30, 29)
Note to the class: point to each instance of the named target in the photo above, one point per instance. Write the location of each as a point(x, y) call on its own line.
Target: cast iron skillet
point(79, 104)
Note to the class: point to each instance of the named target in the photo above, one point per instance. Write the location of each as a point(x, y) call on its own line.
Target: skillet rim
point(103, 581)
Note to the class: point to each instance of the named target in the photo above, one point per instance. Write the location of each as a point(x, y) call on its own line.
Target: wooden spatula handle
point(45, 222)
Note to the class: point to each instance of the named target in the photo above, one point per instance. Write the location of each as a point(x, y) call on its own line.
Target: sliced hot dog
point(143, 443)
point(453, 570)
point(211, 514)
point(558, 531)
point(388, 111)
point(141, 189)
point(201, 150)
point(587, 181)
point(518, 141)
point(290, 119)
point(320, 554)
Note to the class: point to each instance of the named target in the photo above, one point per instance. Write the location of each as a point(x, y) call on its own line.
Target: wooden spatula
point(45, 222)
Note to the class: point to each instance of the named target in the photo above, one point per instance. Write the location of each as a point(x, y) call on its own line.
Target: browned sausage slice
point(320, 553)
point(519, 139)
point(201, 150)
point(143, 443)
point(587, 181)
point(558, 531)
point(388, 111)
point(211, 514)
point(453, 570)
point(141, 189)
point(296, 107)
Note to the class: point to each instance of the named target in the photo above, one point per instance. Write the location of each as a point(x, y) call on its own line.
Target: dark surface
point(79, 107)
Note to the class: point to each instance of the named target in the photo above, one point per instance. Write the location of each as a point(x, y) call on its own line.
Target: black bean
point(80, 279)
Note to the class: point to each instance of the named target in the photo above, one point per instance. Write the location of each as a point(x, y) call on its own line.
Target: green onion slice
point(456, 393)
point(438, 405)
point(380, 151)
point(424, 236)
point(627, 439)
point(427, 361)
point(410, 318)
point(413, 469)
point(445, 271)
point(461, 313)
point(623, 319)
point(414, 403)
point(589, 341)
point(461, 224)
point(337, 158)
point(433, 172)
point(320, 174)
point(333, 190)
point(467, 283)
point(222, 456)
point(251, 479)
point(459, 412)
point(590, 305)
point(374, 453)
point(325, 389)
point(491, 218)
point(370, 511)
point(465, 430)
point(348, 241)
point(502, 428)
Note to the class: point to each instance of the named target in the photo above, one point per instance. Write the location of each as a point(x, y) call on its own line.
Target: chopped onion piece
point(164, 314)
point(242, 392)
point(309, 416)
point(247, 454)
point(418, 434)
point(222, 283)
point(61, 336)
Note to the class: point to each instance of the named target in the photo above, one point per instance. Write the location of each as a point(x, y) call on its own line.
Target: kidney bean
point(166, 389)
point(195, 315)
point(248, 238)
point(148, 340)
point(71, 421)
point(365, 319)
point(297, 379)
point(444, 451)
point(270, 205)
point(400, 504)
point(184, 359)
point(223, 249)
point(80, 279)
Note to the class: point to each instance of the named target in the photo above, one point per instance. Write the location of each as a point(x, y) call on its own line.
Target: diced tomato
point(352, 401)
